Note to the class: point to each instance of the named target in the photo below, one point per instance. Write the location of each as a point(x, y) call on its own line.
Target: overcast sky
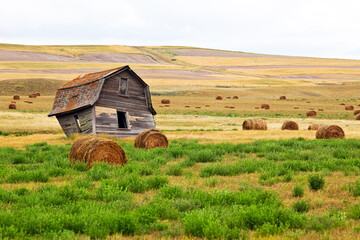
point(322, 28)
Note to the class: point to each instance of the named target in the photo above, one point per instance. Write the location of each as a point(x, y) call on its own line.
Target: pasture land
point(188, 190)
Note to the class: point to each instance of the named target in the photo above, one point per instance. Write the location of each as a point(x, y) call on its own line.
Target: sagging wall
point(69, 125)
point(134, 105)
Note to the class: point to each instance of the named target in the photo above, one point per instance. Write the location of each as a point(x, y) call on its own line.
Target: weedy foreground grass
point(189, 189)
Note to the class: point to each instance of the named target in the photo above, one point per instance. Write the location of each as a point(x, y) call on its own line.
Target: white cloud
point(326, 28)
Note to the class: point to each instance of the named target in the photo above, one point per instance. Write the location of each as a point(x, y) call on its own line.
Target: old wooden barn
point(115, 102)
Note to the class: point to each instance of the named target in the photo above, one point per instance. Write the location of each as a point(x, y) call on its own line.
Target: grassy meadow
point(215, 181)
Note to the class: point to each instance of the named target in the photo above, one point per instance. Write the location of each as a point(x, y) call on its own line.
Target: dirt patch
point(175, 74)
point(6, 55)
point(118, 57)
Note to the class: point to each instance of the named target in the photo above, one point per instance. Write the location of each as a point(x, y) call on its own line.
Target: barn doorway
point(122, 119)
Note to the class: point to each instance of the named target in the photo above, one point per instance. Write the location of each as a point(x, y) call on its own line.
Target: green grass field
point(294, 188)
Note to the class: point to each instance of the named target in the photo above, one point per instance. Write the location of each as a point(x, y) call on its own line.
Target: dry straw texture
point(254, 124)
point(349, 107)
point(311, 113)
point(16, 97)
point(156, 140)
point(290, 125)
point(165, 101)
point(356, 112)
point(92, 149)
point(313, 127)
point(330, 131)
point(12, 106)
point(219, 98)
point(282, 98)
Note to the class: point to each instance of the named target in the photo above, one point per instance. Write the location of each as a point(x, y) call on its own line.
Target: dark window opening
point(123, 86)
point(122, 121)
point(77, 123)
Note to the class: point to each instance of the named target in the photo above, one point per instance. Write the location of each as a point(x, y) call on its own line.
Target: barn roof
point(84, 91)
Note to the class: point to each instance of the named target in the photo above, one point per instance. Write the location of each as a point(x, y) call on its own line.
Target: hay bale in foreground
point(356, 112)
point(290, 125)
point(357, 117)
point(12, 106)
point(254, 124)
point(165, 101)
point(156, 140)
point(219, 98)
point(313, 127)
point(92, 149)
point(311, 113)
point(235, 97)
point(282, 97)
point(349, 107)
point(16, 97)
point(329, 132)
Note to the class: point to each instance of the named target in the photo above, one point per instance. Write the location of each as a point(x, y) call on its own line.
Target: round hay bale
point(165, 101)
point(235, 97)
point(358, 117)
point(311, 113)
point(198, 107)
point(92, 149)
point(290, 125)
point(155, 140)
point(342, 104)
point(16, 97)
point(313, 127)
point(329, 132)
point(187, 106)
point(32, 95)
point(282, 97)
point(219, 98)
point(228, 97)
point(320, 109)
point(265, 106)
point(12, 106)
point(254, 124)
point(349, 107)
point(232, 107)
point(296, 107)
point(37, 94)
point(356, 112)
point(140, 139)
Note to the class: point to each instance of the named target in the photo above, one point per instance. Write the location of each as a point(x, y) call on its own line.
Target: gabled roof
point(84, 91)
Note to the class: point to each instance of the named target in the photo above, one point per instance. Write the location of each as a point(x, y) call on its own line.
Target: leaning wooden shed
point(115, 102)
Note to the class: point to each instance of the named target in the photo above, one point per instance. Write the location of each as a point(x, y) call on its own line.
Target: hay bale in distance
point(265, 106)
point(290, 125)
point(235, 97)
point(155, 140)
point(357, 117)
point(92, 149)
point(37, 94)
point(232, 107)
point(254, 124)
point(32, 95)
point(282, 97)
point(330, 132)
point(349, 107)
point(165, 101)
point(16, 97)
point(342, 104)
point(320, 109)
point(228, 97)
point(311, 113)
point(313, 127)
point(187, 106)
point(296, 107)
point(219, 98)
point(356, 112)
point(12, 106)
point(198, 107)
point(139, 141)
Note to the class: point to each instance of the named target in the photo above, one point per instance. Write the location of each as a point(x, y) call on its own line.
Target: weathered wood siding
point(68, 122)
point(134, 104)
